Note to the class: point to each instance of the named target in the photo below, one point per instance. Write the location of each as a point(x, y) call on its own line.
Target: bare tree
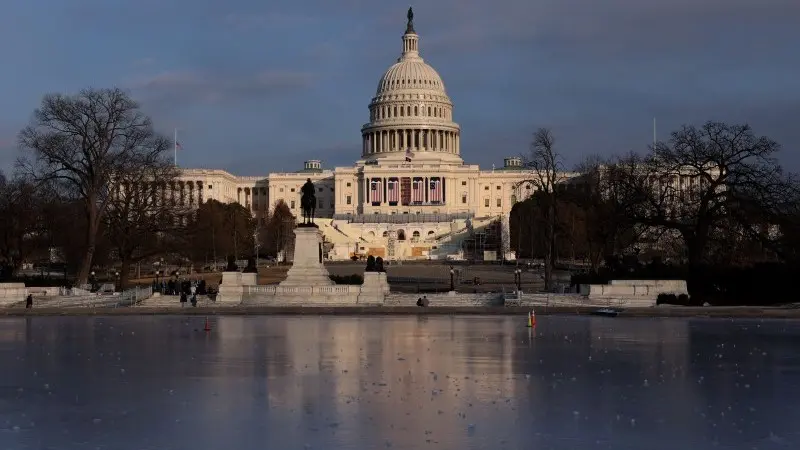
point(702, 183)
point(80, 142)
point(140, 220)
point(278, 229)
point(546, 172)
point(608, 231)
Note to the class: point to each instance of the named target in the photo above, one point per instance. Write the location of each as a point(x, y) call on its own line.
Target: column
point(458, 143)
point(425, 188)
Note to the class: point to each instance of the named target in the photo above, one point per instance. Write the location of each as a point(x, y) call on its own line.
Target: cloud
point(248, 22)
point(610, 26)
point(183, 88)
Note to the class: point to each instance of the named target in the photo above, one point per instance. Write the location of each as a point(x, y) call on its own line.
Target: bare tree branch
point(81, 143)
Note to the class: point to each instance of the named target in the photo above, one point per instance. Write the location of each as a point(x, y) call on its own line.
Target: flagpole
point(175, 148)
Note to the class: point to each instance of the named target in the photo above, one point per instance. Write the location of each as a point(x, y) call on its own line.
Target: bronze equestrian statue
point(308, 203)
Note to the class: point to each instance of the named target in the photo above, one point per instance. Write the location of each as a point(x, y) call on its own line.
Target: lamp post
point(91, 282)
point(118, 281)
point(256, 246)
point(158, 281)
point(452, 282)
point(518, 278)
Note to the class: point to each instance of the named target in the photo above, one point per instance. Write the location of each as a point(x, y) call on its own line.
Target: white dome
point(411, 116)
point(410, 75)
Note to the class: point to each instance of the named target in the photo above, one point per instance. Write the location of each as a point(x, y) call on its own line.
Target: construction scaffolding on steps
point(484, 244)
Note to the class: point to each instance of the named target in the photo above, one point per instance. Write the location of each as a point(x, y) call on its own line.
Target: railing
point(303, 290)
point(133, 296)
point(403, 218)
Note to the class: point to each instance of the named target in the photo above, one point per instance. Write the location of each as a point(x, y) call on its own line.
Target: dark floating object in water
point(608, 312)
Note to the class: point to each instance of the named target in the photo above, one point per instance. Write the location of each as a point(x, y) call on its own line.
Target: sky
point(255, 87)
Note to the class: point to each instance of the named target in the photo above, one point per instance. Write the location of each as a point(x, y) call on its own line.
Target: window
point(385, 234)
point(210, 186)
point(486, 188)
point(291, 190)
point(499, 187)
point(291, 205)
point(499, 202)
point(349, 199)
point(348, 184)
point(281, 189)
point(319, 189)
point(464, 183)
point(485, 203)
point(321, 203)
point(463, 199)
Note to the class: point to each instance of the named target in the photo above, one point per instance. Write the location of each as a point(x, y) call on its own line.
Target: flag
point(178, 145)
point(375, 191)
point(409, 155)
point(418, 190)
point(393, 187)
point(435, 193)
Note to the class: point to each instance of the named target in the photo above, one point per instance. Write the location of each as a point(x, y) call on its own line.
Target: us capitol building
point(409, 196)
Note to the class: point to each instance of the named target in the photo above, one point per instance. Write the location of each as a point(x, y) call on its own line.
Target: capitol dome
point(411, 114)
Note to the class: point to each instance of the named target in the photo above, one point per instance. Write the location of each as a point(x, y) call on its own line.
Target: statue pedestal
point(307, 268)
point(249, 278)
point(374, 289)
point(231, 288)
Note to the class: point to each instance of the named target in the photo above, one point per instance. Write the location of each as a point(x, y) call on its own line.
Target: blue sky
point(257, 86)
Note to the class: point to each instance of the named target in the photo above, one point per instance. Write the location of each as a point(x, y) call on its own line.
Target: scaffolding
point(484, 244)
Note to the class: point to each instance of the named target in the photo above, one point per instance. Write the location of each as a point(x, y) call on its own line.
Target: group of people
point(188, 290)
point(175, 287)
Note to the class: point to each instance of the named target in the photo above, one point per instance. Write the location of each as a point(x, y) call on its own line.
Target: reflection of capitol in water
point(373, 370)
point(410, 382)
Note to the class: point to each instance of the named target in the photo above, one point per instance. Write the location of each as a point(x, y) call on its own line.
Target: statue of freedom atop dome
point(308, 203)
point(410, 15)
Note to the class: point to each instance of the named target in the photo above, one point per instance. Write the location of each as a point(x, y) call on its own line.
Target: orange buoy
point(207, 326)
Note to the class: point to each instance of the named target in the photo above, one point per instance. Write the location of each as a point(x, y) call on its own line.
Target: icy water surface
point(398, 382)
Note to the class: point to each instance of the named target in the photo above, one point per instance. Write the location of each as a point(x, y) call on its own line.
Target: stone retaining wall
point(448, 299)
point(11, 293)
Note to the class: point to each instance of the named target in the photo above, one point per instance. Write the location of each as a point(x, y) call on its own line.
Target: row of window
point(388, 112)
point(401, 83)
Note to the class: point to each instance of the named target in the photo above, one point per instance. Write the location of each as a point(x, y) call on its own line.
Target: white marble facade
point(410, 184)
